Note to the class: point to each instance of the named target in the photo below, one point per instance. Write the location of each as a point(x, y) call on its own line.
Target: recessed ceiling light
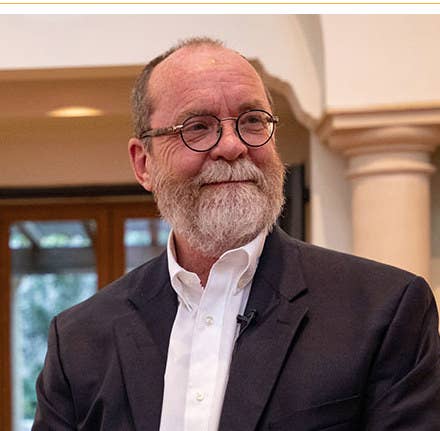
point(75, 111)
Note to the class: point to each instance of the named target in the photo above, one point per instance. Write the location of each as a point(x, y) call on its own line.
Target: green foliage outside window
point(38, 298)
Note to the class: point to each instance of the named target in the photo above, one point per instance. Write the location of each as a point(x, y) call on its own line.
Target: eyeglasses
point(203, 132)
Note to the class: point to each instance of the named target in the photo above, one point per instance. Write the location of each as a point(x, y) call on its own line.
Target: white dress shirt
point(203, 337)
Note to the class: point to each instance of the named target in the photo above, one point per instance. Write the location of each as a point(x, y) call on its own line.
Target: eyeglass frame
point(172, 130)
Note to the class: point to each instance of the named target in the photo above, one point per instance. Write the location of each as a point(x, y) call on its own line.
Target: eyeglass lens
point(201, 132)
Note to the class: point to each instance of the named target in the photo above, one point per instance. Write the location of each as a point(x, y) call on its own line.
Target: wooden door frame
point(110, 261)
point(118, 215)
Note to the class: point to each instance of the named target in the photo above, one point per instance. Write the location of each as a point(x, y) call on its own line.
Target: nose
point(230, 147)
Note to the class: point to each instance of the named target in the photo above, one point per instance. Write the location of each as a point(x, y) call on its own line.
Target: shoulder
point(335, 277)
point(325, 263)
point(343, 267)
point(113, 300)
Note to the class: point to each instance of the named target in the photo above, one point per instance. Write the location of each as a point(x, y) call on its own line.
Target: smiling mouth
point(220, 183)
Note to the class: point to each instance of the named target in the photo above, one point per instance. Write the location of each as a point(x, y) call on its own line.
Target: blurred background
point(359, 101)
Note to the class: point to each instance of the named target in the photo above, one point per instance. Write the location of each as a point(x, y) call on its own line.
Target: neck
point(192, 260)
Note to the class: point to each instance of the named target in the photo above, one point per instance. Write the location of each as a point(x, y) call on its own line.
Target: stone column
point(389, 168)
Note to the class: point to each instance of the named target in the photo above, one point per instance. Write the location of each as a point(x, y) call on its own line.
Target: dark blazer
point(339, 344)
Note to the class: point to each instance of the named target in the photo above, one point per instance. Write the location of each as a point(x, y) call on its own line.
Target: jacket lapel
point(261, 349)
point(142, 338)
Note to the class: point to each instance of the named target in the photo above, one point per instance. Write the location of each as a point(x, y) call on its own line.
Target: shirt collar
point(187, 284)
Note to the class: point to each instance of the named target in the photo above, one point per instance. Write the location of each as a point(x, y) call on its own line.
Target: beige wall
point(56, 153)
point(330, 199)
point(37, 150)
point(381, 59)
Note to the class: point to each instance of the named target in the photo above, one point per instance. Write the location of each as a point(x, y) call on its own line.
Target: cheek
point(188, 166)
point(181, 161)
point(263, 155)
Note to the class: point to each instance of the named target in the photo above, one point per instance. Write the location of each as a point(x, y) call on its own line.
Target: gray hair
point(141, 102)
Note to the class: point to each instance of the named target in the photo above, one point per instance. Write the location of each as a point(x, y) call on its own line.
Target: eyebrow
point(253, 104)
point(245, 106)
point(190, 113)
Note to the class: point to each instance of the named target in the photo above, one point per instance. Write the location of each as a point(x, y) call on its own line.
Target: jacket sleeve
point(55, 409)
point(404, 387)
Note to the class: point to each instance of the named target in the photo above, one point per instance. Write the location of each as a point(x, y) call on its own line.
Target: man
point(237, 326)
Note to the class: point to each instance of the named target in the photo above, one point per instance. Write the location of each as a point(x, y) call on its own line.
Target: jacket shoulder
point(336, 276)
point(326, 262)
point(113, 300)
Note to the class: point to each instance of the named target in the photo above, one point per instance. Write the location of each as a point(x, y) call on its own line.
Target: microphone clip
point(245, 320)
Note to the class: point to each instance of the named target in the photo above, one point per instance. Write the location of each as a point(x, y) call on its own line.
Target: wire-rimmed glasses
point(201, 133)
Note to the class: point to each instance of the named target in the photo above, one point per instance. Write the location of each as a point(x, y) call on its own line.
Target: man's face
point(204, 80)
point(222, 198)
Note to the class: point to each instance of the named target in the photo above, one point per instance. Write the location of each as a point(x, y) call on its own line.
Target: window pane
point(53, 268)
point(144, 238)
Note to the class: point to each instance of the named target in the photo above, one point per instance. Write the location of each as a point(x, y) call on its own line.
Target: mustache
point(223, 171)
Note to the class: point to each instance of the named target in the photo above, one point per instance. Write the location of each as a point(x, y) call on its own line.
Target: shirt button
point(200, 396)
point(209, 320)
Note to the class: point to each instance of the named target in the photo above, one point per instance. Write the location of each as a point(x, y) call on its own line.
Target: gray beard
point(217, 218)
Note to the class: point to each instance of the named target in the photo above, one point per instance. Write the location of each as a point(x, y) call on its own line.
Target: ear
point(140, 163)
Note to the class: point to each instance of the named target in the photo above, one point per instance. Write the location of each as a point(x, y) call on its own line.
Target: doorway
point(52, 256)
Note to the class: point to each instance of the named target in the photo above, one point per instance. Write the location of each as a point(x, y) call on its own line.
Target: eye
point(253, 121)
point(199, 124)
point(195, 126)
point(198, 130)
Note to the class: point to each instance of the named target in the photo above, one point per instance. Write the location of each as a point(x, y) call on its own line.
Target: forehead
point(205, 76)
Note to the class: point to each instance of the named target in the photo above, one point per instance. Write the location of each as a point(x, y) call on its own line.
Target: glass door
point(53, 256)
point(53, 266)
point(144, 238)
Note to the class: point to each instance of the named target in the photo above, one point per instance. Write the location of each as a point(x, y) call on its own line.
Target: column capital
point(388, 151)
point(382, 129)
